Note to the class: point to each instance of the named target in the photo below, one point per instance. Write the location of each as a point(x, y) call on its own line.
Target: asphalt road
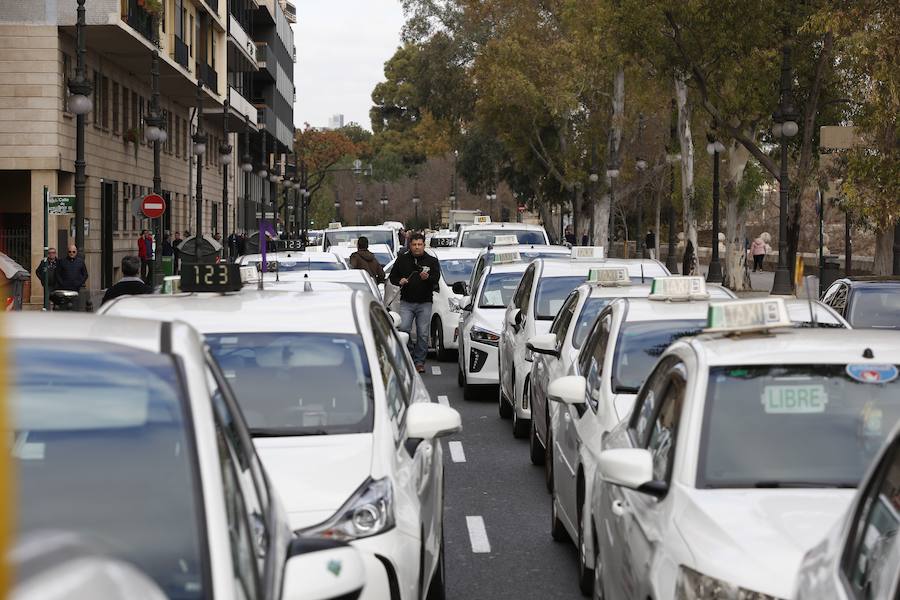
point(513, 556)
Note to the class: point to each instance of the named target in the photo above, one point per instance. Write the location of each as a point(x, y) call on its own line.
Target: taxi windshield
point(794, 425)
point(640, 344)
point(589, 312)
point(456, 269)
point(297, 383)
point(552, 292)
point(498, 289)
point(876, 307)
point(102, 449)
point(482, 238)
point(336, 237)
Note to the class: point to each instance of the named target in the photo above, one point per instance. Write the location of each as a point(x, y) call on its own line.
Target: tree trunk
point(601, 221)
point(657, 208)
point(685, 139)
point(735, 217)
point(613, 144)
point(884, 251)
point(546, 211)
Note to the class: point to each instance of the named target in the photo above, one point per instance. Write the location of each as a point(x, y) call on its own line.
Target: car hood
point(315, 475)
point(489, 318)
point(756, 538)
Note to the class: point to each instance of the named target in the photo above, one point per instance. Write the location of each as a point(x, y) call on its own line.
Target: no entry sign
point(153, 206)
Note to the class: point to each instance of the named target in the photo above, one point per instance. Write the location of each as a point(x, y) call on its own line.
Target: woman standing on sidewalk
point(758, 250)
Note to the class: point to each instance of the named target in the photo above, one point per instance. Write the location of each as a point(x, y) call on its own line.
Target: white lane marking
point(457, 454)
point(478, 535)
point(435, 370)
point(443, 400)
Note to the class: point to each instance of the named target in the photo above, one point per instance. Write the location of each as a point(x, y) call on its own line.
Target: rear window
point(482, 238)
point(552, 292)
point(640, 344)
point(873, 307)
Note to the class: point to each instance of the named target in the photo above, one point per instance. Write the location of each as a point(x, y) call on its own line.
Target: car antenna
point(642, 273)
point(277, 269)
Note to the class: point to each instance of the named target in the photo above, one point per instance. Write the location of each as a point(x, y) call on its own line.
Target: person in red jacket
point(145, 253)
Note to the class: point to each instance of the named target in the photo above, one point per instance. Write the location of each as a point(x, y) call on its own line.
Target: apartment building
point(199, 41)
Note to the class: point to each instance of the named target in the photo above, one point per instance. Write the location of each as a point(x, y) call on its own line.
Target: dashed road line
point(457, 454)
point(435, 370)
point(444, 400)
point(478, 535)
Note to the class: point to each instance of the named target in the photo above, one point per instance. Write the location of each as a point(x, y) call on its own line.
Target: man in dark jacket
point(71, 273)
point(130, 284)
point(145, 253)
point(46, 271)
point(417, 274)
point(365, 260)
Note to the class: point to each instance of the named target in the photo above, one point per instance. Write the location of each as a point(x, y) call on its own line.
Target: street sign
point(153, 206)
point(521, 208)
point(61, 205)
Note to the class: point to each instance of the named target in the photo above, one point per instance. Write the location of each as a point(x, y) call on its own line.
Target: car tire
point(505, 409)
point(548, 462)
point(557, 529)
point(597, 593)
point(520, 427)
point(585, 574)
point(437, 339)
point(460, 378)
point(535, 449)
point(437, 589)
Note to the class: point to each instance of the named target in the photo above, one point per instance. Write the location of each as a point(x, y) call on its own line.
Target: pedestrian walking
point(130, 284)
point(145, 254)
point(758, 250)
point(417, 274)
point(176, 252)
point(71, 272)
point(569, 236)
point(46, 271)
point(650, 243)
point(365, 260)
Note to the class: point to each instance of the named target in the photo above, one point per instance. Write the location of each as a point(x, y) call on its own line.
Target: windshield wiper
point(285, 432)
point(773, 484)
point(625, 389)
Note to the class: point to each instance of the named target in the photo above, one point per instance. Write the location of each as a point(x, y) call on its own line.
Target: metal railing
point(181, 52)
point(15, 242)
point(209, 76)
point(139, 19)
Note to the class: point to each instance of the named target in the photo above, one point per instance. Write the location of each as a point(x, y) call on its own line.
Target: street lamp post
point(714, 148)
point(225, 159)
point(785, 127)
point(416, 200)
point(641, 166)
point(156, 134)
point(491, 196)
point(593, 178)
point(358, 202)
point(199, 149)
point(453, 205)
point(80, 103)
point(337, 205)
point(247, 168)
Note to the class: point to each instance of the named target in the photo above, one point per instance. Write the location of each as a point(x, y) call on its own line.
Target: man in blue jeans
point(417, 274)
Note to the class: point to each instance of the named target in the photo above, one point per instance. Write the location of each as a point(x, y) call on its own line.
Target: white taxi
point(526, 252)
point(860, 557)
point(376, 234)
point(342, 422)
point(481, 235)
point(290, 260)
point(482, 321)
point(125, 433)
point(743, 447)
point(542, 290)
point(456, 269)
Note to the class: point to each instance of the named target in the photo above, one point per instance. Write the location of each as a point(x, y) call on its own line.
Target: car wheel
point(520, 427)
point(585, 573)
point(557, 530)
point(598, 577)
point(437, 588)
point(548, 461)
point(437, 339)
point(535, 449)
point(505, 409)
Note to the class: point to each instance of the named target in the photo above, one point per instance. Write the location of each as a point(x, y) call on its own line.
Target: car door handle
point(618, 508)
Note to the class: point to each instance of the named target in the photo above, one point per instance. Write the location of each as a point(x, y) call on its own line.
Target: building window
point(104, 99)
point(97, 99)
point(177, 138)
point(191, 44)
point(135, 119)
point(125, 106)
point(67, 66)
point(214, 225)
point(140, 120)
point(115, 107)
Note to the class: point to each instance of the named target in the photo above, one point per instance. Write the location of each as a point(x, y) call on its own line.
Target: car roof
point(362, 228)
point(799, 346)
point(516, 267)
point(295, 255)
point(342, 275)
point(248, 310)
point(559, 267)
point(141, 333)
point(521, 248)
point(351, 249)
point(502, 225)
point(873, 281)
point(644, 309)
point(454, 252)
point(623, 291)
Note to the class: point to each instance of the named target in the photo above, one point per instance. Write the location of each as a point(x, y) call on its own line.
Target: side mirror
point(543, 344)
point(404, 337)
point(319, 569)
point(395, 318)
point(568, 390)
point(459, 287)
point(426, 420)
point(631, 468)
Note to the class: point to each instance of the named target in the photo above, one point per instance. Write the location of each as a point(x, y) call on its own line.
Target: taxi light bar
point(609, 276)
point(588, 253)
point(482, 220)
point(678, 288)
point(249, 273)
point(747, 315)
point(506, 240)
point(335, 225)
point(501, 258)
point(171, 284)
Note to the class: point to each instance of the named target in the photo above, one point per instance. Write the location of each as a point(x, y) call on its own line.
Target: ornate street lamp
point(358, 201)
point(384, 202)
point(714, 147)
point(785, 127)
point(416, 199)
point(198, 149)
point(490, 197)
point(80, 104)
point(641, 166)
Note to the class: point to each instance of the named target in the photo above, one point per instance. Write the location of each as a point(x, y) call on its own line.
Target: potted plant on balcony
point(132, 136)
point(153, 7)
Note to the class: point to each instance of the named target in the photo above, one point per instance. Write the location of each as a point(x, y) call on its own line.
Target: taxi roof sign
point(678, 288)
point(335, 225)
point(482, 219)
point(502, 258)
point(249, 273)
point(588, 253)
point(609, 276)
point(747, 315)
point(219, 277)
point(506, 240)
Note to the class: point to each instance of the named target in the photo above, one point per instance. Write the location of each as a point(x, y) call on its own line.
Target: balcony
point(266, 60)
point(208, 76)
point(214, 5)
point(138, 18)
point(242, 106)
point(242, 41)
point(181, 52)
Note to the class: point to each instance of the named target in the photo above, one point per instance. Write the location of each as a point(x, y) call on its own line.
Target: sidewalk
point(762, 282)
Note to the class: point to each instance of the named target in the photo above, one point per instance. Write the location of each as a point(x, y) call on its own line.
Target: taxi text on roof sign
point(505, 240)
point(678, 288)
point(500, 258)
point(334, 225)
point(482, 219)
point(610, 276)
point(587, 252)
point(747, 315)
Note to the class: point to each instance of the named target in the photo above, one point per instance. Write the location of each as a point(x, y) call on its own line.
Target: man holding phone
point(417, 274)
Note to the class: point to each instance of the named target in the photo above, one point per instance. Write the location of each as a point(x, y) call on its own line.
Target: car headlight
point(484, 336)
point(693, 585)
point(453, 304)
point(368, 512)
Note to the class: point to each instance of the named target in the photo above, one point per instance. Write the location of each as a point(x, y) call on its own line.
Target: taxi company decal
point(872, 373)
point(794, 399)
